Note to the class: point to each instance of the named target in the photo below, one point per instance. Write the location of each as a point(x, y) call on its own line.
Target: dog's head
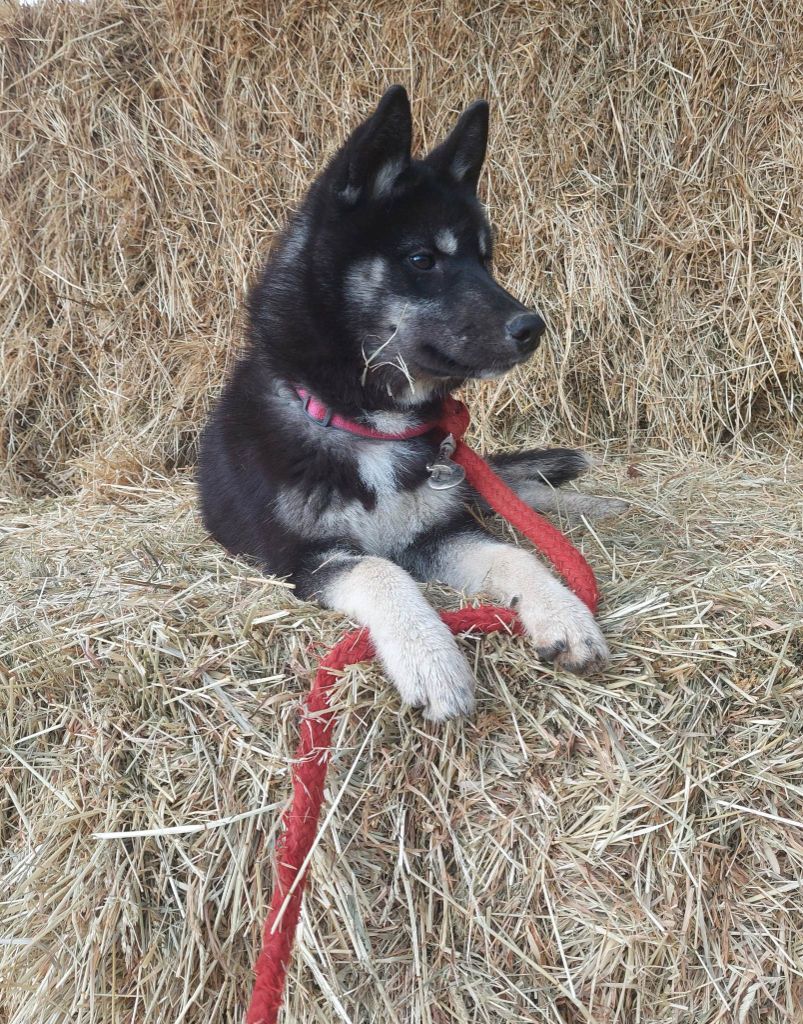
point(399, 251)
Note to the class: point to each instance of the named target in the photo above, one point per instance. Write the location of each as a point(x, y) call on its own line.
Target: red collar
point(320, 413)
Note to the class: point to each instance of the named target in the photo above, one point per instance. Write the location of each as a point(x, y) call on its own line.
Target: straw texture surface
point(621, 850)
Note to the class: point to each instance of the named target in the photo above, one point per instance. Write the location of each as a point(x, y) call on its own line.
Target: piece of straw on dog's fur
point(612, 850)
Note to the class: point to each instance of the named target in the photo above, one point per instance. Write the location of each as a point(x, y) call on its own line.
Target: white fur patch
point(377, 468)
point(393, 422)
point(559, 623)
point(416, 649)
point(421, 390)
point(399, 516)
point(484, 243)
point(446, 241)
point(492, 374)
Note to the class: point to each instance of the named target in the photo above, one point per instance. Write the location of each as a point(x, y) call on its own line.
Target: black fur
point(553, 466)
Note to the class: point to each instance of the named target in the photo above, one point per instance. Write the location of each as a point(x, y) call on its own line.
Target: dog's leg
point(416, 649)
point(563, 629)
point(553, 466)
point(573, 505)
point(534, 475)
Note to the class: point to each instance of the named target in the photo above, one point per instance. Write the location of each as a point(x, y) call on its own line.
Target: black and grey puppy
point(379, 300)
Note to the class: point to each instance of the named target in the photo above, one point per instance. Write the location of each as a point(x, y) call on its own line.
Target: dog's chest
point(398, 515)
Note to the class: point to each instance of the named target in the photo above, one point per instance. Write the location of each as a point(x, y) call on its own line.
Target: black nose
point(526, 330)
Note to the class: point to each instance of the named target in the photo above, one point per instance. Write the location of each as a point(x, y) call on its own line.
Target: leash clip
point(443, 473)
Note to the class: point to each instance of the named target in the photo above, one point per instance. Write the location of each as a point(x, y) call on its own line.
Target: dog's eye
point(422, 260)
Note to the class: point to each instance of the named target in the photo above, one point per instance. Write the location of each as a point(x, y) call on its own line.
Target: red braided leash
point(313, 751)
point(549, 541)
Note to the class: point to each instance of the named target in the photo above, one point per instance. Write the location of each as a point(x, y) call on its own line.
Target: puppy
point(319, 461)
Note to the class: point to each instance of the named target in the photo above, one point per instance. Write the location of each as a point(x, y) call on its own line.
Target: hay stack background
point(627, 849)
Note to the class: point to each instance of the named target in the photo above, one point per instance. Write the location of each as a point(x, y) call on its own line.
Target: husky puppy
point(377, 302)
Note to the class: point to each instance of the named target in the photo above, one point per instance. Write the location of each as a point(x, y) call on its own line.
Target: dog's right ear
point(376, 152)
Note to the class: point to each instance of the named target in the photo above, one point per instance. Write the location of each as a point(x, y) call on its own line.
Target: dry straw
point(625, 849)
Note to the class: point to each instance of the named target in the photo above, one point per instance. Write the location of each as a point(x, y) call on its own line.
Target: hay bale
point(617, 850)
point(642, 176)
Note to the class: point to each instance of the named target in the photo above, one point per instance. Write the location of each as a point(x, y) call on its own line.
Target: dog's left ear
point(378, 151)
point(461, 154)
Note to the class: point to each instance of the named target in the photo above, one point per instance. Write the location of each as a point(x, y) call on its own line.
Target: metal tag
point(443, 473)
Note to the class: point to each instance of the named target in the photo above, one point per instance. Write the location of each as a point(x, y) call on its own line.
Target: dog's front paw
point(450, 690)
point(564, 631)
point(433, 676)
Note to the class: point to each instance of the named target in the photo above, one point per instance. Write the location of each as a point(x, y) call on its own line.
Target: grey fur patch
point(446, 241)
point(386, 178)
point(364, 280)
point(461, 168)
point(350, 194)
point(294, 242)
point(572, 504)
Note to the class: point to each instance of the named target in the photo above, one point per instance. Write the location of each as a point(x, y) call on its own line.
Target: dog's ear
point(461, 154)
point(378, 151)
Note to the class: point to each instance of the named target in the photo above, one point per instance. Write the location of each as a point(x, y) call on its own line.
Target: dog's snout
point(525, 330)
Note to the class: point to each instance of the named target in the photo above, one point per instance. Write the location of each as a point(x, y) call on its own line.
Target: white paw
point(432, 675)
point(593, 507)
point(564, 630)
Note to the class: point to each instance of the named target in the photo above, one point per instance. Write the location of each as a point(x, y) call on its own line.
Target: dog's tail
point(553, 466)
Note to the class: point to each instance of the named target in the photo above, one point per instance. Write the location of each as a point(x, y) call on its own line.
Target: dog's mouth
point(436, 363)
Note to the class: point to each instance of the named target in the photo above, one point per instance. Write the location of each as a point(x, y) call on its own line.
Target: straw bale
point(621, 850)
point(644, 175)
